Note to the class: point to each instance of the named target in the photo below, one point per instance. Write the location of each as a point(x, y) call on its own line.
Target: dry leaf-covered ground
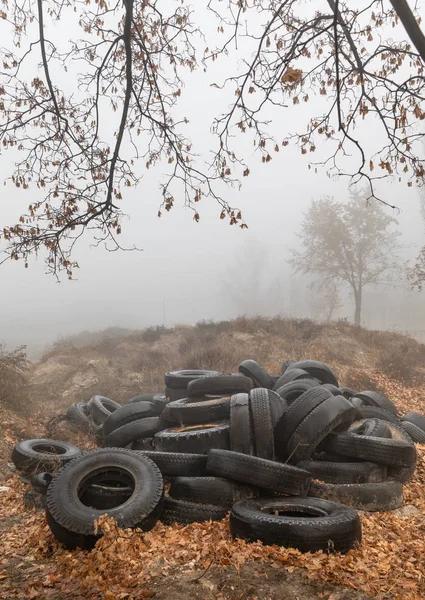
point(201, 561)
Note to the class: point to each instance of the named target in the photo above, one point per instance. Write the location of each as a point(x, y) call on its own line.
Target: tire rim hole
point(108, 478)
point(291, 511)
point(48, 449)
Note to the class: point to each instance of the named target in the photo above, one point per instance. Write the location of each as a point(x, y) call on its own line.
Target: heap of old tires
point(291, 457)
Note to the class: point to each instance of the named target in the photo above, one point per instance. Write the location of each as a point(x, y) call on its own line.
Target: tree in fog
point(86, 112)
point(349, 244)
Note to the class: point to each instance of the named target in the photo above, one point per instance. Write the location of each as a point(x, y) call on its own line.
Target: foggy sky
point(187, 271)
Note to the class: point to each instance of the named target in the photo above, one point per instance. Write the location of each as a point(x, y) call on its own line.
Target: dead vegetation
point(121, 363)
point(13, 378)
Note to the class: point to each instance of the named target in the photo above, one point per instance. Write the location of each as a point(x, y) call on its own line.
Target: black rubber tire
point(258, 374)
point(415, 418)
point(258, 472)
point(179, 380)
point(100, 408)
point(317, 369)
point(333, 389)
point(210, 490)
point(193, 411)
point(156, 398)
point(277, 406)
point(41, 481)
point(292, 375)
point(347, 392)
point(135, 430)
point(402, 474)
point(383, 451)
point(331, 526)
point(184, 513)
point(373, 412)
point(285, 365)
point(344, 472)
point(335, 413)
point(416, 433)
point(196, 439)
point(373, 427)
point(221, 384)
point(262, 423)
point(295, 414)
point(78, 414)
point(293, 390)
point(378, 400)
point(105, 497)
point(241, 439)
point(73, 523)
point(129, 413)
point(178, 464)
point(175, 394)
point(35, 456)
point(371, 497)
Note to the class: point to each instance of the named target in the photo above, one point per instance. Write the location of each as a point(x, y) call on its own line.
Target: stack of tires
point(291, 456)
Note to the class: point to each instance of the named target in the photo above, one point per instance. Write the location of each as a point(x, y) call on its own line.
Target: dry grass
point(122, 364)
point(13, 378)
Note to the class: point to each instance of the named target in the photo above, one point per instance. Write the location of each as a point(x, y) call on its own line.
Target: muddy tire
point(193, 411)
point(387, 495)
point(196, 439)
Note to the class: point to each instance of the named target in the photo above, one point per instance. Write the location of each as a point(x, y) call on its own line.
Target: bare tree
point(81, 144)
point(348, 244)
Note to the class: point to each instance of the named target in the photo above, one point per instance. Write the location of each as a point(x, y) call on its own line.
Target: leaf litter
point(125, 564)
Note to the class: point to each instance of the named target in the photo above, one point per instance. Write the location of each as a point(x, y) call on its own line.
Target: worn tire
point(196, 439)
point(35, 456)
point(73, 523)
point(402, 474)
point(293, 390)
point(373, 427)
point(143, 444)
point(335, 391)
point(193, 411)
point(258, 472)
point(335, 413)
point(100, 408)
point(378, 400)
point(383, 451)
point(373, 412)
point(220, 384)
point(257, 373)
point(135, 430)
point(295, 414)
point(262, 423)
point(316, 369)
point(415, 418)
point(241, 439)
point(292, 375)
point(344, 472)
point(129, 413)
point(172, 394)
point(210, 490)
point(416, 433)
point(41, 481)
point(182, 512)
point(387, 495)
point(157, 399)
point(177, 464)
point(322, 525)
point(78, 414)
point(180, 379)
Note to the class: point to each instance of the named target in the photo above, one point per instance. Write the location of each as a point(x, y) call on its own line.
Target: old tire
point(220, 385)
point(262, 423)
point(182, 512)
point(316, 369)
point(210, 490)
point(35, 456)
point(73, 523)
point(383, 451)
point(177, 464)
point(257, 373)
point(193, 411)
point(307, 524)
point(129, 413)
point(387, 495)
point(197, 439)
point(344, 472)
point(180, 379)
point(100, 408)
point(135, 430)
point(378, 400)
point(41, 481)
point(258, 472)
point(240, 425)
point(416, 433)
